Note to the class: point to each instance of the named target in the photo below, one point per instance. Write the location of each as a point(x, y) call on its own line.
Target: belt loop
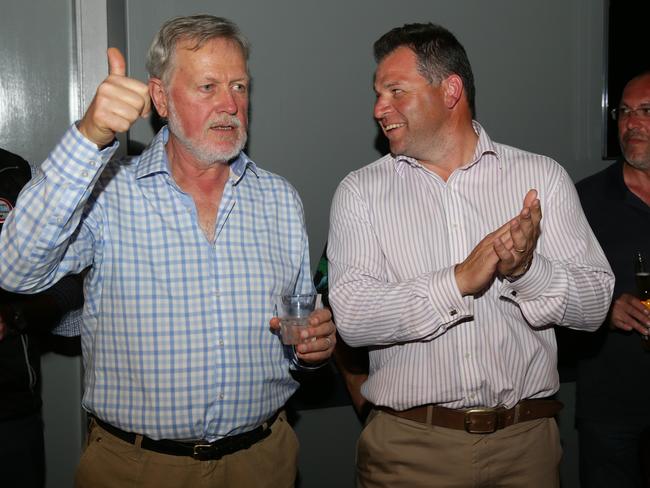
point(516, 413)
point(429, 414)
point(138, 441)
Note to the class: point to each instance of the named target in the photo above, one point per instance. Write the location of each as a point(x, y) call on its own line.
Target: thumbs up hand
point(118, 103)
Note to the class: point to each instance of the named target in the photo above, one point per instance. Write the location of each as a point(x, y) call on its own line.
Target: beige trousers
point(395, 452)
point(109, 462)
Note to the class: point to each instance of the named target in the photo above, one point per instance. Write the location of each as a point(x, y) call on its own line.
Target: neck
point(204, 183)
point(638, 181)
point(191, 174)
point(456, 151)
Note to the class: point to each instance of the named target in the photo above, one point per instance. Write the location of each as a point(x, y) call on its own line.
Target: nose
point(634, 120)
point(381, 108)
point(225, 102)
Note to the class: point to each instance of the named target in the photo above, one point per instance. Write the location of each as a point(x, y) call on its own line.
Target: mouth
point(223, 127)
point(631, 141)
point(390, 127)
point(634, 137)
point(225, 124)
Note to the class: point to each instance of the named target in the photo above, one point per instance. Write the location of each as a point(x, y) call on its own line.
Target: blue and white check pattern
point(175, 332)
point(70, 324)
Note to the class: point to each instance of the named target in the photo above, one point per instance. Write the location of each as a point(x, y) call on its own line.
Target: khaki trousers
point(395, 452)
point(109, 462)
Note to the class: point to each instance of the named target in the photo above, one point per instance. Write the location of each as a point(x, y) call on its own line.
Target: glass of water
point(293, 312)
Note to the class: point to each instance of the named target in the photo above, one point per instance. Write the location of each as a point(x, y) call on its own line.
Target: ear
point(453, 90)
point(158, 96)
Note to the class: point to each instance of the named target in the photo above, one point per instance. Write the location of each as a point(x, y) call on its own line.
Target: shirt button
point(467, 355)
point(513, 293)
point(92, 163)
point(453, 312)
point(221, 342)
point(84, 173)
point(221, 396)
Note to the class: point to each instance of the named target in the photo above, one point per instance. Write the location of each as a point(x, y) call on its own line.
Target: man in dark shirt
point(23, 318)
point(613, 391)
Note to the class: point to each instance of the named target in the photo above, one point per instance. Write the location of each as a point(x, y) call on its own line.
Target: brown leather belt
point(479, 420)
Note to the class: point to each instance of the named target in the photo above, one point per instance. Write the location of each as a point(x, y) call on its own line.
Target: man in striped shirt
point(187, 246)
point(442, 265)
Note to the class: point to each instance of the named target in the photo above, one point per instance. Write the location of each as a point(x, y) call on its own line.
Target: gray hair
point(197, 28)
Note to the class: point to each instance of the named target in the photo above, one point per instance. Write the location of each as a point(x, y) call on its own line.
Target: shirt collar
point(154, 160)
point(484, 146)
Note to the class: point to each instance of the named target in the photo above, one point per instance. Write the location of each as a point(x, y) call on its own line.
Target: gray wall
point(37, 100)
point(538, 69)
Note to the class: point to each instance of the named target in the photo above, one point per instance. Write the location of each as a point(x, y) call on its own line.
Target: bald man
point(613, 390)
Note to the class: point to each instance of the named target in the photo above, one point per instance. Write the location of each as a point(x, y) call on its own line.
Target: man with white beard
point(187, 245)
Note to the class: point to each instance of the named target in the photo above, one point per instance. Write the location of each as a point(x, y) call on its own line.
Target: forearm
point(370, 311)
point(565, 294)
point(352, 363)
point(371, 304)
point(37, 233)
point(570, 282)
point(40, 312)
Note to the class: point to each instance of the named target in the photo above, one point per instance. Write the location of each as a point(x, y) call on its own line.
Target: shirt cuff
point(77, 161)
point(446, 299)
point(533, 283)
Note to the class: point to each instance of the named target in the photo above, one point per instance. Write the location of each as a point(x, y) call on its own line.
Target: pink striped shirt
point(396, 232)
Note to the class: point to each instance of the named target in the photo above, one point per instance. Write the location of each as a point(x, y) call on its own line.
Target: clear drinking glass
point(293, 312)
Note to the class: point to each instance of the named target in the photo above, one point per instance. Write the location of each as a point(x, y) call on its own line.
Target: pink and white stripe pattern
point(396, 232)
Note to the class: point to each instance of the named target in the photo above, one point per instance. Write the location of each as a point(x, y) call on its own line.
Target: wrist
point(516, 276)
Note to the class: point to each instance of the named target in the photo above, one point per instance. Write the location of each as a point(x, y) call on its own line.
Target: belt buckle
point(482, 413)
point(203, 452)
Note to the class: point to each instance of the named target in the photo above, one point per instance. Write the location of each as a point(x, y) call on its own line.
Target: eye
point(396, 92)
point(644, 111)
point(625, 111)
point(208, 87)
point(240, 87)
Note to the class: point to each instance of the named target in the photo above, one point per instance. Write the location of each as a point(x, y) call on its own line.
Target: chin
point(219, 151)
point(642, 163)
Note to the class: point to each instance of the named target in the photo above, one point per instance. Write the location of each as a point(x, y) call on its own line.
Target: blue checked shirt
point(175, 334)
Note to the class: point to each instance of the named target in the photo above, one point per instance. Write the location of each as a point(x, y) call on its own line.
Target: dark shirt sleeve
point(66, 295)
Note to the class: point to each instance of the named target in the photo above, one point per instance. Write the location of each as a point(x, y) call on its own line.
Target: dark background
point(628, 53)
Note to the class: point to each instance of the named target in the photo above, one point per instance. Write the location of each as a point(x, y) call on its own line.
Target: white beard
point(205, 154)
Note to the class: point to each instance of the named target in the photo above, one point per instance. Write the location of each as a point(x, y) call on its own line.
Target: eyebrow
point(389, 84)
point(642, 104)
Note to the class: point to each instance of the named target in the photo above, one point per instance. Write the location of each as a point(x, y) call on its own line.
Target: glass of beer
point(642, 277)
